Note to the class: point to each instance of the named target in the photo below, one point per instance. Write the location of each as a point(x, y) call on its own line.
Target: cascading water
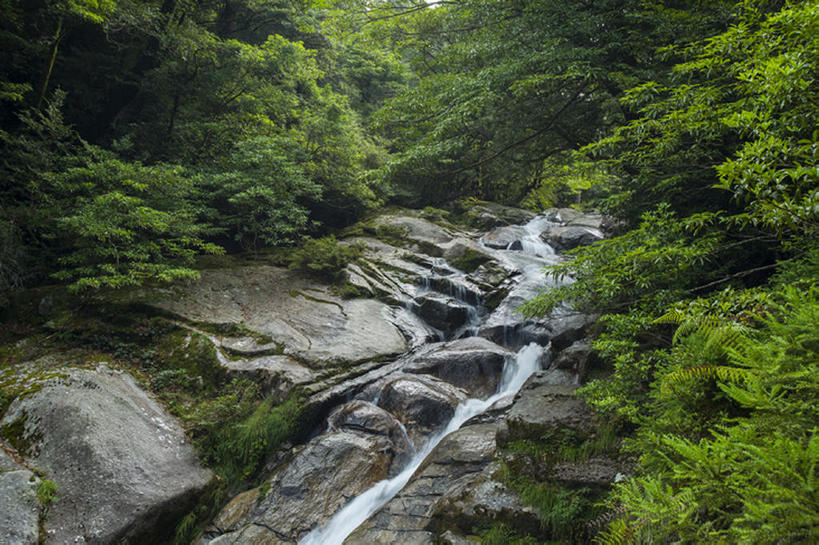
point(515, 373)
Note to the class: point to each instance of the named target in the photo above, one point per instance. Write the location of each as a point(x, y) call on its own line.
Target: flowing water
point(515, 373)
point(530, 260)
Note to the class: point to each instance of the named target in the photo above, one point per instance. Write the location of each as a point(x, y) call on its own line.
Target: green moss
point(391, 233)
point(469, 260)
point(186, 355)
point(495, 298)
point(324, 258)
point(47, 492)
point(15, 434)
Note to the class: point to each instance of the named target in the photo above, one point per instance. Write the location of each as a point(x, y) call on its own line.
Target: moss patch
point(469, 260)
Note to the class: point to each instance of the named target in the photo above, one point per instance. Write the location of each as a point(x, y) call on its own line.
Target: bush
point(324, 258)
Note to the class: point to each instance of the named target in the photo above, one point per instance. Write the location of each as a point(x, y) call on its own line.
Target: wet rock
point(486, 215)
point(363, 416)
point(320, 480)
point(295, 314)
point(546, 403)
point(459, 288)
point(597, 471)
point(486, 500)
point(575, 357)
point(237, 509)
point(466, 255)
point(123, 468)
point(570, 236)
point(474, 364)
point(428, 237)
point(595, 222)
point(455, 463)
point(451, 538)
point(502, 238)
point(563, 215)
point(20, 512)
point(278, 375)
point(569, 328)
point(441, 312)
point(421, 402)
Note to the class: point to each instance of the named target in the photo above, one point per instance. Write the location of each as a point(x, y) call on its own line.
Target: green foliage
point(242, 448)
point(750, 480)
point(469, 260)
point(47, 493)
point(737, 114)
point(324, 258)
point(649, 265)
point(128, 224)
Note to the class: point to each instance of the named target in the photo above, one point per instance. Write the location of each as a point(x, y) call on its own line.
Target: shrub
point(323, 258)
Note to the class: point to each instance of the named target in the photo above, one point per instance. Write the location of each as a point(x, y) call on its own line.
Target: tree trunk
point(58, 36)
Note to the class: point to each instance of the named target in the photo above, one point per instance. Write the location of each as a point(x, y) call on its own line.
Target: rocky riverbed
point(433, 330)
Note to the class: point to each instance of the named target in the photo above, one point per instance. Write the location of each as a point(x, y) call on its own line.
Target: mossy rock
point(469, 260)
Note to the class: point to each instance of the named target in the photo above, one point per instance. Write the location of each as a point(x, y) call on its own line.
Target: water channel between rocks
point(529, 258)
point(515, 372)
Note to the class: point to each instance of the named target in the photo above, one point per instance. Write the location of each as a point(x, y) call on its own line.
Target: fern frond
point(724, 373)
point(618, 532)
point(717, 331)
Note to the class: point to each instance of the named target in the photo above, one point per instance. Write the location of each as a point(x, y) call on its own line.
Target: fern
point(684, 377)
point(618, 532)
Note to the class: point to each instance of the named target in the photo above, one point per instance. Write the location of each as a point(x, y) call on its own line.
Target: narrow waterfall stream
point(533, 255)
point(515, 373)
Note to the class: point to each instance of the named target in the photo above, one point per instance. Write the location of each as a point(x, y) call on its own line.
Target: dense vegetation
point(138, 135)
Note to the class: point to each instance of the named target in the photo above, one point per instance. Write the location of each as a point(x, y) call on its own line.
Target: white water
point(515, 373)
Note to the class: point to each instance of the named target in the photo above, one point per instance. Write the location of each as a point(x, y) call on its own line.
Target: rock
point(20, 512)
point(295, 314)
point(474, 364)
point(466, 255)
point(570, 236)
point(563, 215)
point(574, 357)
point(455, 463)
point(459, 288)
point(124, 471)
point(451, 538)
point(441, 312)
point(568, 328)
point(363, 416)
point(592, 221)
point(421, 402)
point(486, 501)
point(546, 403)
point(238, 508)
point(428, 237)
point(485, 215)
point(597, 471)
point(502, 238)
point(322, 477)
point(278, 375)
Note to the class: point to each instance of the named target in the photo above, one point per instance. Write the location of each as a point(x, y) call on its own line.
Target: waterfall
point(515, 373)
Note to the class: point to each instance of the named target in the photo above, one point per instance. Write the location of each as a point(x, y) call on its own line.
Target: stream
point(529, 260)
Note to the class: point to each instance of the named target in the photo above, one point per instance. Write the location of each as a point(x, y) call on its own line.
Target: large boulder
point(20, 512)
point(359, 415)
point(570, 236)
point(451, 467)
point(502, 238)
point(547, 403)
point(421, 402)
point(321, 478)
point(286, 312)
point(441, 312)
point(124, 470)
point(474, 364)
